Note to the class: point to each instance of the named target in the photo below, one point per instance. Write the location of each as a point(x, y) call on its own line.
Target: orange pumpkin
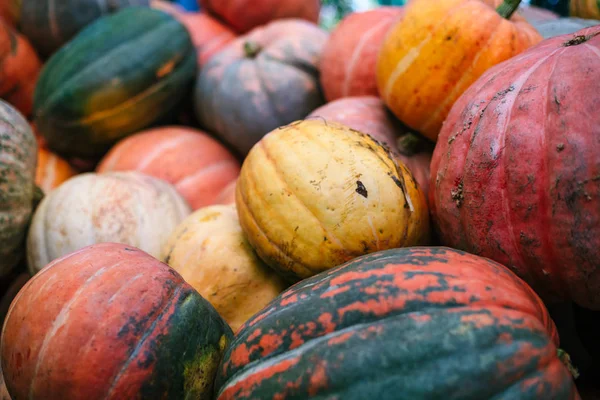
point(208, 35)
point(197, 165)
point(51, 170)
point(439, 49)
point(19, 69)
point(350, 56)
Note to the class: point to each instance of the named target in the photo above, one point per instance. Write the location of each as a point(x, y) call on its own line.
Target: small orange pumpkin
point(439, 49)
point(51, 170)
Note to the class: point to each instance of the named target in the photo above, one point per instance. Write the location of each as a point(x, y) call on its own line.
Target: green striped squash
point(119, 75)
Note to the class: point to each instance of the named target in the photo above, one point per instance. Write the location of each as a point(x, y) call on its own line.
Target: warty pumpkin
point(121, 207)
point(414, 323)
point(111, 322)
point(314, 194)
point(515, 175)
point(439, 49)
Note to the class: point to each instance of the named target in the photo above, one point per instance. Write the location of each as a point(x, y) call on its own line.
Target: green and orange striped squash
point(119, 75)
point(413, 323)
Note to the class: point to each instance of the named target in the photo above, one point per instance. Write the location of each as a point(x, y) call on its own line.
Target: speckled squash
point(526, 135)
point(210, 252)
point(49, 24)
point(585, 8)
point(349, 58)
point(563, 26)
point(10, 11)
point(416, 323)
point(121, 207)
point(439, 49)
point(261, 81)
point(51, 170)
point(111, 322)
point(18, 158)
point(197, 165)
point(227, 195)
point(19, 69)
point(119, 75)
point(369, 115)
point(246, 15)
point(314, 194)
point(208, 35)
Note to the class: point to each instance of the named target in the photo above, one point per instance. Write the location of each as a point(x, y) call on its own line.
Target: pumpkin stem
point(252, 49)
point(508, 8)
point(38, 195)
point(565, 358)
point(410, 144)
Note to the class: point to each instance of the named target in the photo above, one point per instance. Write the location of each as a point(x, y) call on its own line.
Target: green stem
point(508, 8)
point(252, 49)
point(566, 360)
point(409, 144)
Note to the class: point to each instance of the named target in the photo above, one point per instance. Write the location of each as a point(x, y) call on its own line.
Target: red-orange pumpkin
point(197, 165)
point(350, 56)
point(208, 35)
point(19, 69)
point(51, 170)
point(9, 11)
point(245, 15)
point(369, 115)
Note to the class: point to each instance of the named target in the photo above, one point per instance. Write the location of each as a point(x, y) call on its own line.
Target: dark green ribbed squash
point(51, 23)
point(119, 75)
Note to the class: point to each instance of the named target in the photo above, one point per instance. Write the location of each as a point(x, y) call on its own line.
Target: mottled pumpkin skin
point(350, 56)
point(51, 170)
point(563, 26)
point(121, 207)
point(120, 325)
point(414, 323)
point(49, 24)
point(438, 50)
point(515, 175)
point(314, 194)
point(240, 95)
point(197, 165)
point(246, 15)
point(119, 75)
point(18, 158)
point(585, 8)
point(208, 35)
point(19, 69)
point(210, 252)
point(368, 114)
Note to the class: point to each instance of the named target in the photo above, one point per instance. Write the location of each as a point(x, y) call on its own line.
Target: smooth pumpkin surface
point(414, 323)
point(18, 158)
point(119, 75)
point(246, 15)
point(314, 194)
point(208, 35)
point(51, 170)
point(19, 69)
point(210, 252)
point(349, 58)
point(120, 207)
point(261, 81)
point(526, 134)
point(227, 195)
point(563, 26)
point(585, 8)
point(49, 24)
point(368, 114)
point(197, 165)
point(111, 322)
point(438, 50)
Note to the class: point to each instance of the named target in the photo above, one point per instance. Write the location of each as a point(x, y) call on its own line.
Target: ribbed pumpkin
point(119, 75)
point(439, 49)
point(18, 157)
point(19, 69)
point(121, 207)
point(261, 81)
point(10, 11)
point(210, 252)
point(208, 35)
point(51, 170)
point(515, 175)
point(585, 8)
point(197, 165)
point(246, 15)
point(563, 26)
point(417, 323)
point(314, 194)
point(49, 24)
point(227, 195)
point(369, 115)
point(350, 56)
point(111, 322)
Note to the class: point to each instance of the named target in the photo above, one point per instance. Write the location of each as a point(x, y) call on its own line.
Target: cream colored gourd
point(211, 253)
point(121, 207)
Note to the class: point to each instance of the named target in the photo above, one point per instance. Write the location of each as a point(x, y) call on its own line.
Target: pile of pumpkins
point(238, 204)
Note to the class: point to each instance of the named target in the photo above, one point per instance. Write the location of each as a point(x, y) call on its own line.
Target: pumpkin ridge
point(296, 64)
point(593, 49)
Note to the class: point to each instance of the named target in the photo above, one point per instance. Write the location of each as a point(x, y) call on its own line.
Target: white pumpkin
point(120, 207)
